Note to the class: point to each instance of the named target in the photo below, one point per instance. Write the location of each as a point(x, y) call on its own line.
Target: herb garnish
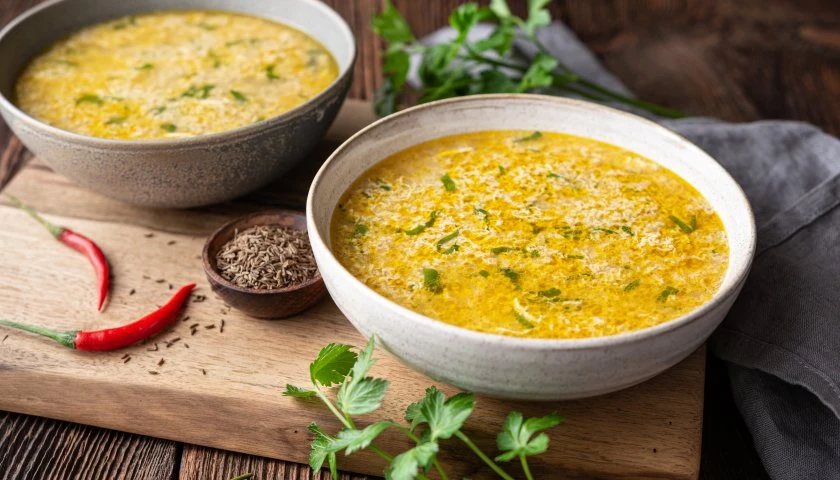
point(534, 136)
point(448, 184)
point(384, 186)
point(145, 66)
point(605, 230)
point(201, 92)
point(482, 212)
point(627, 230)
point(668, 292)
point(439, 244)
point(550, 293)
point(115, 121)
point(484, 273)
point(498, 250)
point(169, 127)
point(423, 226)
point(238, 96)
point(360, 230)
point(206, 26)
point(465, 67)
point(685, 227)
point(159, 110)
point(269, 73)
point(632, 285)
point(431, 419)
point(510, 274)
point(502, 170)
point(90, 98)
point(431, 280)
point(525, 323)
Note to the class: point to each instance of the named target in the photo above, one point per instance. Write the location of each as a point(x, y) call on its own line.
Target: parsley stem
point(347, 423)
point(381, 453)
point(416, 440)
point(490, 463)
point(651, 107)
point(525, 467)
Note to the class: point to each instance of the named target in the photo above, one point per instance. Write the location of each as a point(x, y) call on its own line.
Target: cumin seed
point(222, 326)
point(132, 292)
point(203, 371)
point(161, 362)
point(127, 359)
point(152, 372)
point(210, 327)
point(153, 349)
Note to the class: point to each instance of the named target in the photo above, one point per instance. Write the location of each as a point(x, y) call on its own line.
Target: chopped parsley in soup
point(531, 234)
point(173, 74)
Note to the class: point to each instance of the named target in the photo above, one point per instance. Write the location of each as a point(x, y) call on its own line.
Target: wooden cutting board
point(222, 388)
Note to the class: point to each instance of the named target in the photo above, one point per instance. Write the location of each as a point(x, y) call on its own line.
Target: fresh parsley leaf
point(405, 465)
point(464, 17)
point(538, 16)
point(439, 244)
point(627, 230)
point(539, 73)
point(334, 362)
point(297, 392)
point(552, 175)
point(391, 25)
point(431, 280)
point(201, 92)
point(513, 276)
point(517, 437)
point(500, 9)
point(499, 250)
point(632, 285)
point(550, 293)
point(686, 228)
point(145, 66)
point(321, 449)
point(423, 226)
point(352, 440)
point(269, 73)
point(448, 184)
point(481, 211)
point(385, 98)
point(693, 223)
point(90, 98)
point(452, 249)
point(443, 416)
point(484, 273)
point(665, 294)
point(169, 127)
point(116, 121)
point(361, 394)
point(360, 230)
point(534, 136)
point(523, 321)
point(499, 41)
point(604, 230)
point(238, 96)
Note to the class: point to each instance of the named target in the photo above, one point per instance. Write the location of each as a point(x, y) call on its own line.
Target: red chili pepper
point(77, 242)
point(119, 337)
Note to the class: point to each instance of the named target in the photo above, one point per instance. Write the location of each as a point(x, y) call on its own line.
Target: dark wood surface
point(740, 60)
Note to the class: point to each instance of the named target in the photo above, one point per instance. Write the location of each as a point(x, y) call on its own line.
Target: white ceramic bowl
point(508, 367)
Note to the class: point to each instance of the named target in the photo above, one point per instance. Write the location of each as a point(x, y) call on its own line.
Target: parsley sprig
point(430, 421)
point(461, 67)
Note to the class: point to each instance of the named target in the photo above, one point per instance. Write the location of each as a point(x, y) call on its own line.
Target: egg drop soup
point(531, 234)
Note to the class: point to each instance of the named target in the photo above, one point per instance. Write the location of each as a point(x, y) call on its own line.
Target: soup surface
point(531, 234)
point(173, 74)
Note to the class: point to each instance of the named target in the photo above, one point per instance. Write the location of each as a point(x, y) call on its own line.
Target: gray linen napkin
point(781, 339)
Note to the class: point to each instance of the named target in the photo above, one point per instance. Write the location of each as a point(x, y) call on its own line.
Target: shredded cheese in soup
point(531, 234)
point(173, 74)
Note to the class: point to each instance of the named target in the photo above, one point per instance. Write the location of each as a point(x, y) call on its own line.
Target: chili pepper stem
point(54, 229)
point(68, 339)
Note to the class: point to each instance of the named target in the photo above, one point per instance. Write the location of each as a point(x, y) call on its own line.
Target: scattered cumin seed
point(4, 338)
point(152, 372)
point(170, 286)
point(185, 318)
point(186, 345)
point(192, 332)
point(161, 362)
point(199, 298)
point(149, 235)
point(267, 257)
point(153, 349)
point(132, 292)
point(203, 371)
point(222, 326)
point(146, 277)
point(210, 327)
point(125, 356)
point(128, 359)
point(194, 325)
point(171, 242)
point(160, 280)
point(173, 342)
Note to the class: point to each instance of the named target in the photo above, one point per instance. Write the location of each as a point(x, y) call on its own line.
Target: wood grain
point(32, 448)
point(223, 391)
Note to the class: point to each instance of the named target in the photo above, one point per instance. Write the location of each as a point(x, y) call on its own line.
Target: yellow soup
point(531, 234)
point(173, 74)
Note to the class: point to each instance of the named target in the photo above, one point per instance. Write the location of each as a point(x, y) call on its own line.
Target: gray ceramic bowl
point(509, 367)
point(185, 172)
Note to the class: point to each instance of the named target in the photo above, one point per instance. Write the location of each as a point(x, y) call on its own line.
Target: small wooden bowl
point(260, 303)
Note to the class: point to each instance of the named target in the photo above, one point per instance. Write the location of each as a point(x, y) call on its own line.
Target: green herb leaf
point(604, 230)
point(452, 249)
point(448, 184)
point(503, 170)
point(440, 243)
point(517, 437)
point(297, 392)
point(540, 73)
point(500, 250)
point(693, 223)
point(538, 16)
point(550, 293)
point(464, 17)
point(159, 110)
point(443, 417)
point(321, 449)
point(334, 362)
point(354, 440)
point(169, 127)
point(481, 211)
point(405, 465)
point(423, 226)
point(552, 175)
point(361, 394)
point(116, 121)
point(238, 96)
point(500, 9)
point(523, 321)
point(665, 294)
point(90, 98)
point(391, 25)
point(145, 66)
point(484, 273)
point(207, 26)
point(686, 228)
point(534, 136)
point(627, 230)
point(632, 285)
point(269, 73)
point(431, 280)
point(383, 185)
point(513, 276)
point(360, 230)
point(201, 92)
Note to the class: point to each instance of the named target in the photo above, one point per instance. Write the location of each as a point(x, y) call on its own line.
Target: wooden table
point(740, 60)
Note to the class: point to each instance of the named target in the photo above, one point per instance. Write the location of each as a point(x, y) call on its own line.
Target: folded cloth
point(781, 339)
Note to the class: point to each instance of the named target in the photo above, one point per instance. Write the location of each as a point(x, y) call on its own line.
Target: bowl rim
point(721, 295)
point(211, 272)
point(198, 141)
